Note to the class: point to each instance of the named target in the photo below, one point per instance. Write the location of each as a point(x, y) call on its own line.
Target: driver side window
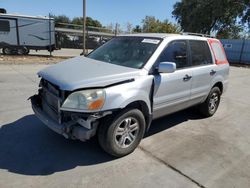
point(176, 52)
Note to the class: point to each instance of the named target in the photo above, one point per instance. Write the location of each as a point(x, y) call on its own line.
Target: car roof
point(153, 35)
point(166, 35)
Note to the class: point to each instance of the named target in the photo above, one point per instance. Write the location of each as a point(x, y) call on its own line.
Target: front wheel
point(210, 106)
point(120, 135)
point(7, 51)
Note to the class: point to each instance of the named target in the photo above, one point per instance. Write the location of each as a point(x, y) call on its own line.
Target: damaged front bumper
point(75, 128)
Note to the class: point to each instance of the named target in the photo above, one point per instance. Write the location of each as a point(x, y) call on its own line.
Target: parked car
point(118, 89)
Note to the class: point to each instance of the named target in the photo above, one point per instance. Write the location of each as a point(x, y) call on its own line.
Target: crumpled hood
point(82, 72)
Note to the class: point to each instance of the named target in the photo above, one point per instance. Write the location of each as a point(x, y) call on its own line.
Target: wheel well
point(219, 85)
point(142, 106)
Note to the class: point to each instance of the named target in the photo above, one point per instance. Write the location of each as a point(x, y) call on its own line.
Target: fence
point(70, 36)
point(237, 50)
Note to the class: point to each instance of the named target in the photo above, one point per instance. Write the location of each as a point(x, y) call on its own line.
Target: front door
point(172, 90)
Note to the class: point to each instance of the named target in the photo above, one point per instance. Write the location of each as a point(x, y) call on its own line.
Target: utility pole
point(50, 49)
point(84, 27)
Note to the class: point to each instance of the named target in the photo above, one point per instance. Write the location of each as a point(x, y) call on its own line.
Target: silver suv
point(118, 89)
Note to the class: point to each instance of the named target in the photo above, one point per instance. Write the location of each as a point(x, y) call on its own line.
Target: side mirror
point(167, 67)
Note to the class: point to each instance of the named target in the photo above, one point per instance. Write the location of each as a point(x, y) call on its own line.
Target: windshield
point(133, 52)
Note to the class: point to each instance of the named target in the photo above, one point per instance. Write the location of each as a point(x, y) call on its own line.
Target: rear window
point(4, 26)
point(200, 53)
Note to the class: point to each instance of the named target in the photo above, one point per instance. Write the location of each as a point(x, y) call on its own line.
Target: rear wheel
point(120, 135)
point(21, 51)
point(27, 51)
point(210, 106)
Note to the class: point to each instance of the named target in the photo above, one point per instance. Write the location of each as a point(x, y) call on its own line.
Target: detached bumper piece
point(70, 129)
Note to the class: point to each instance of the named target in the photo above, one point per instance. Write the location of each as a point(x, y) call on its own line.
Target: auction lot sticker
point(151, 41)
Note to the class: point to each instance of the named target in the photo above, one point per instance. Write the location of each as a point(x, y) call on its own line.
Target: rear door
point(203, 70)
point(172, 90)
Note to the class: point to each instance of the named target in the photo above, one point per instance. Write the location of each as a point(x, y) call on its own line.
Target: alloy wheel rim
point(213, 102)
point(126, 132)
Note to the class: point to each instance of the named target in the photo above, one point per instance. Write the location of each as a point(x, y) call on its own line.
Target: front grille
point(50, 87)
point(51, 99)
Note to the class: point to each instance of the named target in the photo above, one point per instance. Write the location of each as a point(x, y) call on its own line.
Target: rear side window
point(218, 51)
point(176, 52)
point(4, 26)
point(200, 53)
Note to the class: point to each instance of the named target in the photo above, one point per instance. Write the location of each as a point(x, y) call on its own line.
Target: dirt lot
point(180, 150)
point(40, 57)
point(30, 59)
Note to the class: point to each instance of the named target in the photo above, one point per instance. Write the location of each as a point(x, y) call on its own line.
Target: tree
point(92, 22)
point(89, 22)
point(61, 19)
point(245, 15)
point(62, 38)
point(231, 32)
point(77, 21)
point(201, 16)
point(110, 27)
point(129, 27)
point(137, 29)
point(118, 29)
point(114, 28)
point(153, 25)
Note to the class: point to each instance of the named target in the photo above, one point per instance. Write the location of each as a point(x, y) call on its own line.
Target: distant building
point(237, 50)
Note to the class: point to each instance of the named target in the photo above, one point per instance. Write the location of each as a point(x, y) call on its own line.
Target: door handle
point(187, 77)
point(213, 72)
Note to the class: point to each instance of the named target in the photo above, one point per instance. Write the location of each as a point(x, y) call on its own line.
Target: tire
point(210, 106)
point(21, 51)
point(119, 135)
point(7, 51)
point(27, 51)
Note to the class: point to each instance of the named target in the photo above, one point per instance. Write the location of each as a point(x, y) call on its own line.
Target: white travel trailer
point(19, 34)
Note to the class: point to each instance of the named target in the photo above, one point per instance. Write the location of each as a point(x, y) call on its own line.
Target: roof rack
point(198, 34)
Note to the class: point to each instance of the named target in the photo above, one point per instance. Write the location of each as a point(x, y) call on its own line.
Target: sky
point(106, 11)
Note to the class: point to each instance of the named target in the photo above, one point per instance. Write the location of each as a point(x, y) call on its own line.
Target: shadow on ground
point(28, 147)
point(172, 120)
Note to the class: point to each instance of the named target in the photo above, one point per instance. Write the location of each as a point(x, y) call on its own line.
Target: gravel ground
point(40, 57)
point(30, 59)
